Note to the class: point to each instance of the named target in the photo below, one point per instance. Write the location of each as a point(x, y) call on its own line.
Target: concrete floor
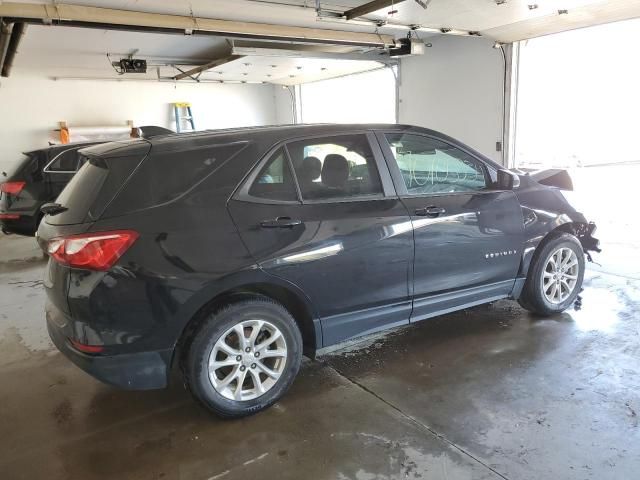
point(489, 392)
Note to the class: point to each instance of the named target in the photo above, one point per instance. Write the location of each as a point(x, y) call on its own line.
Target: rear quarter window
point(166, 176)
point(64, 162)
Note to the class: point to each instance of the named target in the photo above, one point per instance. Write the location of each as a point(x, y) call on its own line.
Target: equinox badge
point(500, 254)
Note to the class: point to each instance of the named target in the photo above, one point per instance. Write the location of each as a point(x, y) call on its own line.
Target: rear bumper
point(131, 371)
point(23, 225)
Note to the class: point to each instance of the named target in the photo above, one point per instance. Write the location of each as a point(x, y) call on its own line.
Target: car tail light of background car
point(91, 251)
point(12, 188)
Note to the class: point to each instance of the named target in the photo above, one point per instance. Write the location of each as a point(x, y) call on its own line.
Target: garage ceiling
point(70, 52)
point(502, 20)
point(65, 51)
point(509, 20)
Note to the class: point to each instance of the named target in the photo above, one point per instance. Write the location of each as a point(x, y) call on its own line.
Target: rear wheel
point(244, 357)
point(555, 277)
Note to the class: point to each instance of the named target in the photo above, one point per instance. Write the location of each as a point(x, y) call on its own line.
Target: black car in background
point(230, 253)
point(38, 179)
point(35, 180)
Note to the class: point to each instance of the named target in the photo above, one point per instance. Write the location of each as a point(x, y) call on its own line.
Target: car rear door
point(468, 236)
point(322, 213)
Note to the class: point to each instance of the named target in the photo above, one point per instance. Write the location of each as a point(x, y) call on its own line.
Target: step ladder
point(184, 117)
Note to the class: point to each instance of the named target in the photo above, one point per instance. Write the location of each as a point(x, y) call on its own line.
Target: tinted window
point(275, 181)
point(431, 166)
point(335, 167)
point(166, 175)
point(26, 166)
point(92, 189)
point(81, 192)
point(66, 161)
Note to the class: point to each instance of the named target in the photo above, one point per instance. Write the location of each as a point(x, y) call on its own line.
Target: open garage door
point(577, 109)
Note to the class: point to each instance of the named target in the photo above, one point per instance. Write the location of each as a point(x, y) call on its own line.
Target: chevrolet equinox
point(231, 253)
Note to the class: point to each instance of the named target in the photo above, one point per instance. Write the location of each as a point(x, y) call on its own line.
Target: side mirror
point(507, 180)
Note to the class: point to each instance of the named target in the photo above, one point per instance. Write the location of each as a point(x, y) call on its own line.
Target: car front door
point(468, 236)
point(322, 214)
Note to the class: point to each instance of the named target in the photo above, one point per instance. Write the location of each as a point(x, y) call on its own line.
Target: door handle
point(280, 222)
point(430, 211)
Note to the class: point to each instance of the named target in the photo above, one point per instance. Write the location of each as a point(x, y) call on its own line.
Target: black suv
point(39, 178)
point(230, 253)
point(36, 179)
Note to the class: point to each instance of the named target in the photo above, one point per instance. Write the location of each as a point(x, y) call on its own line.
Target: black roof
point(296, 128)
point(270, 134)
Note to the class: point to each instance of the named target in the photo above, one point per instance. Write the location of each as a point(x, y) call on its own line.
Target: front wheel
point(243, 357)
point(555, 277)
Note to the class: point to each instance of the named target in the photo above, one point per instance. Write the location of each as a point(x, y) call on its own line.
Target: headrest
point(335, 171)
point(310, 169)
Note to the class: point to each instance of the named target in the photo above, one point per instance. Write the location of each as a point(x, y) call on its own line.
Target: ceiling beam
point(368, 8)
point(5, 36)
point(207, 66)
point(12, 48)
point(79, 15)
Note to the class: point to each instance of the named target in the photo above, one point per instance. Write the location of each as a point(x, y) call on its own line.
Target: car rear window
point(91, 189)
point(80, 193)
point(17, 167)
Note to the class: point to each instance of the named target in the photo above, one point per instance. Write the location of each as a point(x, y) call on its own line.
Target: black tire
point(195, 365)
point(533, 297)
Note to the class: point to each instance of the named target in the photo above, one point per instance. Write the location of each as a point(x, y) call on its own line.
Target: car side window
point(275, 181)
point(66, 161)
point(430, 166)
point(335, 167)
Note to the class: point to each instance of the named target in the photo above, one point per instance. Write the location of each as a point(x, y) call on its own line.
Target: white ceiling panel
point(288, 71)
point(476, 15)
point(511, 20)
point(508, 21)
point(63, 52)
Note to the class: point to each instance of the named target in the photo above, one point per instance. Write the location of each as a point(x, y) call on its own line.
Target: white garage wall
point(367, 97)
point(455, 88)
point(284, 109)
point(33, 105)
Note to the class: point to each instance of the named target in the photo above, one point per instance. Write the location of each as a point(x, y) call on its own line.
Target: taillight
point(12, 188)
point(86, 348)
point(91, 251)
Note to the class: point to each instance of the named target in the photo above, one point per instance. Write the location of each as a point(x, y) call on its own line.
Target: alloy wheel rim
point(247, 360)
point(560, 275)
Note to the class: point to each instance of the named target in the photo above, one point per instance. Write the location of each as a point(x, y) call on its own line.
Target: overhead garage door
point(578, 101)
